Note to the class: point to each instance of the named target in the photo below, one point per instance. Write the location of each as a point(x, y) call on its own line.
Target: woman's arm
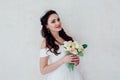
point(47, 68)
point(44, 67)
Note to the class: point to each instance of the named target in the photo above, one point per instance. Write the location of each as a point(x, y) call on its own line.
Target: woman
point(53, 58)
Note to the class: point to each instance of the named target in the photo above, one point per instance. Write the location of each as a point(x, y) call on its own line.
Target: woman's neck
point(58, 39)
point(55, 35)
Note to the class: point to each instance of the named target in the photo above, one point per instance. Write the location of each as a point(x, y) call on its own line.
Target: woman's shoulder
point(43, 44)
point(43, 50)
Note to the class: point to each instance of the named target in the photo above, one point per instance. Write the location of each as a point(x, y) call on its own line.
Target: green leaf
point(68, 52)
point(70, 66)
point(80, 53)
point(84, 46)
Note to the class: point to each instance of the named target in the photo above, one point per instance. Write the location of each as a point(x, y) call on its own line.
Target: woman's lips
point(58, 27)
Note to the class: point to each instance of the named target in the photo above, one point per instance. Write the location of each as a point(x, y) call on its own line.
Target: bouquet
point(74, 48)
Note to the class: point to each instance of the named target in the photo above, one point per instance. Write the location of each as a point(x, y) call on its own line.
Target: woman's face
point(54, 23)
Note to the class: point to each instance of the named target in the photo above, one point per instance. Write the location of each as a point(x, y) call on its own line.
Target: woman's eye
point(58, 19)
point(53, 21)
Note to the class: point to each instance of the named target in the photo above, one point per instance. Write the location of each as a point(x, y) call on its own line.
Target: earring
point(48, 30)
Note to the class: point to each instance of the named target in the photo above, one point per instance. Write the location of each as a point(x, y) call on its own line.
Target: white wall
point(95, 22)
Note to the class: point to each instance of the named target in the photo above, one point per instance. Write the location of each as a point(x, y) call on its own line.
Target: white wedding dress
point(62, 72)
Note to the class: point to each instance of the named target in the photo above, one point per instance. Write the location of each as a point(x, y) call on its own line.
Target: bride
point(53, 58)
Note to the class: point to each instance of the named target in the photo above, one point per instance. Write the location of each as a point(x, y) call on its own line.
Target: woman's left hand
point(76, 60)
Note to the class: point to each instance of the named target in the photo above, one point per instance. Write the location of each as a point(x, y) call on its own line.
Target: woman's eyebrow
point(53, 19)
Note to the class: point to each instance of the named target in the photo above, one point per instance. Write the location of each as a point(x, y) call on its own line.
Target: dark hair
point(50, 40)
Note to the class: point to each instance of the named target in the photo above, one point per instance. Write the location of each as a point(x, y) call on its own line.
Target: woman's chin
point(59, 29)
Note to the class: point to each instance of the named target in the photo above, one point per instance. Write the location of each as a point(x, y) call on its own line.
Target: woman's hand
point(71, 59)
point(68, 59)
point(76, 60)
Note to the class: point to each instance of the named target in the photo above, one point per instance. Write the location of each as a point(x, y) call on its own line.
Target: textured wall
point(95, 22)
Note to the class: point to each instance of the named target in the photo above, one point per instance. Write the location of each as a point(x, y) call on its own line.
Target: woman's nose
point(58, 23)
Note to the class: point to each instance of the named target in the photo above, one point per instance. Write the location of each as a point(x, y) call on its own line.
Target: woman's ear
point(46, 26)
